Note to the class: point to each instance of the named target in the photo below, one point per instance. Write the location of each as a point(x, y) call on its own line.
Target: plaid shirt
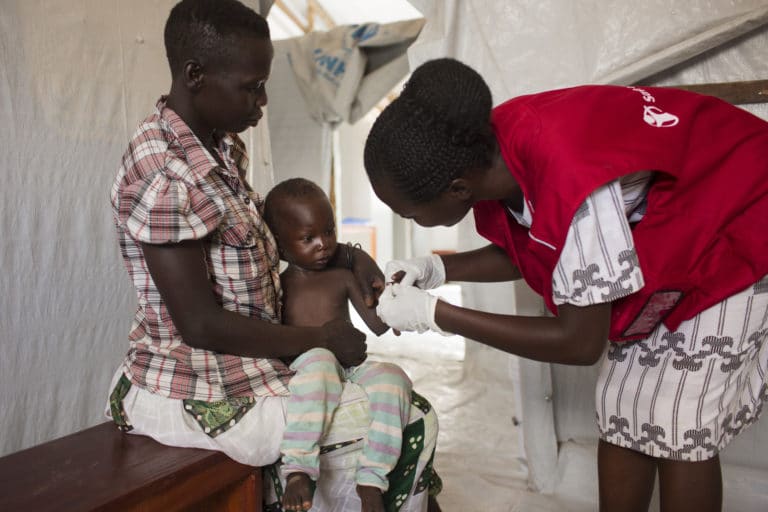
point(168, 189)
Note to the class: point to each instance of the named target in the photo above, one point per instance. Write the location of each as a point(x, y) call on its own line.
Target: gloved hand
point(407, 308)
point(426, 272)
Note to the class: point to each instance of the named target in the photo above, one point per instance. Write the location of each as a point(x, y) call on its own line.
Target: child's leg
point(626, 478)
point(315, 391)
point(690, 486)
point(389, 394)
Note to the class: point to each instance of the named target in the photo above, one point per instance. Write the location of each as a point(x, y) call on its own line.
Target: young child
point(638, 214)
point(301, 218)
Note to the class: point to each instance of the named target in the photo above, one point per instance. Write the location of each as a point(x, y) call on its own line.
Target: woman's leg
point(690, 486)
point(626, 478)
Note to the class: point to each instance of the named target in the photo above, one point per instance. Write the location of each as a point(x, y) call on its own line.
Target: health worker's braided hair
point(434, 132)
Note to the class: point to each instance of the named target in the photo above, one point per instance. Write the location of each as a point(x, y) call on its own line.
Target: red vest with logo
point(704, 235)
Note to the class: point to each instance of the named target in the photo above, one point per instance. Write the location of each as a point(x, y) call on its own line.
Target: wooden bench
point(101, 468)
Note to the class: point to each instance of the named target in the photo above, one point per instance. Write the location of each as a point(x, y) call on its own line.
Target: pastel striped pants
point(315, 391)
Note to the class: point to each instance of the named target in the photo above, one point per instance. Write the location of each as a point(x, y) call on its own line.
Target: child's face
point(307, 232)
point(444, 210)
point(233, 94)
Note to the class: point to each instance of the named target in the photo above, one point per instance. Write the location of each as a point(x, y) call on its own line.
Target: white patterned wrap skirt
point(679, 395)
point(685, 394)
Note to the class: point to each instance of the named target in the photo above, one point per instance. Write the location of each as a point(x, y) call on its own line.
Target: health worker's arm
point(578, 335)
point(180, 274)
point(488, 264)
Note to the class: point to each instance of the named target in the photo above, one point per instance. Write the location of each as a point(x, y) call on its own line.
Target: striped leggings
point(315, 391)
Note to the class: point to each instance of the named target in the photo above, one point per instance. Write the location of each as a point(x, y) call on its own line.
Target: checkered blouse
point(169, 189)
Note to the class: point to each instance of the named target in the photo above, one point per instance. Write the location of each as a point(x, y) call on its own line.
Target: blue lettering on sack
point(329, 63)
point(365, 32)
point(330, 67)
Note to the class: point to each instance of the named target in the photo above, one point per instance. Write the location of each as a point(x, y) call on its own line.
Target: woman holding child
point(205, 367)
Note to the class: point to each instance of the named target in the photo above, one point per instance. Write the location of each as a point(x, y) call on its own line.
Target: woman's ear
point(460, 189)
point(193, 75)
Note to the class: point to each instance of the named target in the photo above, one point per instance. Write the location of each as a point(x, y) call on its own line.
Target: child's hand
point(346, 342)
point(368, 275)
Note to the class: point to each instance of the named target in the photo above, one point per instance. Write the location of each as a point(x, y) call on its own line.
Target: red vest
point(704, 236)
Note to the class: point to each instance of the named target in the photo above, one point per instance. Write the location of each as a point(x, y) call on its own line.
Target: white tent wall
point(77, 78)
point(524, 46)
point(78, 75)
point(300, 145)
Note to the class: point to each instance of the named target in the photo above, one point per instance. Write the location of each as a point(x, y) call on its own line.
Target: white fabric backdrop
point(525, 46)
point(77, 77)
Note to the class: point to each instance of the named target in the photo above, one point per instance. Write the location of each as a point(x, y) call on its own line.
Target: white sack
point(344, 72)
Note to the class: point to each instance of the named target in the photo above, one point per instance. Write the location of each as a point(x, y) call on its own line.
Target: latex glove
point(426, 272)
point(407, 308)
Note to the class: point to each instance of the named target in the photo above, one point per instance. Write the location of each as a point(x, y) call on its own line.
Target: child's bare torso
point(313, 298)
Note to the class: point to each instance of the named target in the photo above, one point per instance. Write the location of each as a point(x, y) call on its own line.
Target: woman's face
point(234, 95)
point(445, 210)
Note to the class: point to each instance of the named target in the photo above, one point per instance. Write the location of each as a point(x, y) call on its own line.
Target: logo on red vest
point(657, 118)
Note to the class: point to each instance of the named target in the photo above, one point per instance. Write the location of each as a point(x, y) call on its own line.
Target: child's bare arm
point(368, 314)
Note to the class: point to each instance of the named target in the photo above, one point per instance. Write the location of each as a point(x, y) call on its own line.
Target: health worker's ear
point(460, 189)
point(193, 75)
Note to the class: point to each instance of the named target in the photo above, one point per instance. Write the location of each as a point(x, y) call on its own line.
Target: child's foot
point(371, 498)
point(298, 492)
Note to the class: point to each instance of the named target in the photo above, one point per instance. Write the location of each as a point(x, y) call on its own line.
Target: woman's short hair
point(208, 29)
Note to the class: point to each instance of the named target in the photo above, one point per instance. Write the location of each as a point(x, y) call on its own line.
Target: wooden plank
point(292, 16)
point(738, 93)
point(101, 468)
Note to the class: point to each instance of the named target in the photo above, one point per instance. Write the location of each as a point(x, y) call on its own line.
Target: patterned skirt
point(684, 395)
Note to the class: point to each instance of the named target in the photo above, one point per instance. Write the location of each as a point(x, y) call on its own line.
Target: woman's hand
point(346, 342)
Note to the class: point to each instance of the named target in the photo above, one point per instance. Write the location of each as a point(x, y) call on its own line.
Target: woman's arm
point(180, 274)
point(485, 265)
point(578, 335)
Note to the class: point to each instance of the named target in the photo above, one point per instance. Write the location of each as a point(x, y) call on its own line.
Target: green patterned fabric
point(116, 404)
point(217, 417)
point(402, 477)
point(414, 470)
point(429, 478)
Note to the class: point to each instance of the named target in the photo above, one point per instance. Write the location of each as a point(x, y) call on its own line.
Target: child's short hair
point(206, 29)
point(293, 188)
